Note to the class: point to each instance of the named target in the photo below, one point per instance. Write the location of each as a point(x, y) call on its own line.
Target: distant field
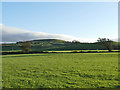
point(81, 50)
point(62, 70)
point(58, 46)
point(61, 50)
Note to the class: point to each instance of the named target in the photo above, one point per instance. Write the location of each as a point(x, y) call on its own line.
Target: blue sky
point(83, 20)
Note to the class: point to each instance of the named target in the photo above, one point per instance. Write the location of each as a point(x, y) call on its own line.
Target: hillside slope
point(54, 44)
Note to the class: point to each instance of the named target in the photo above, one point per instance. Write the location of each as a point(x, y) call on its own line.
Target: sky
point(84, 21)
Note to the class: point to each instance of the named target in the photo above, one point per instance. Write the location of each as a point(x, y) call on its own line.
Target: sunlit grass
point(64, 70)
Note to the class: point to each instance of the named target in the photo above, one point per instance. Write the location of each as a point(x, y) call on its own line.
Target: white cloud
point(11, 34)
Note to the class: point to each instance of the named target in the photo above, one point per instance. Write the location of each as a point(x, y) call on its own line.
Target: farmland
point(56, 45)
point(60, 70)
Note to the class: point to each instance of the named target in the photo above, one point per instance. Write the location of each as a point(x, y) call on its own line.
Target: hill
point(54, 44)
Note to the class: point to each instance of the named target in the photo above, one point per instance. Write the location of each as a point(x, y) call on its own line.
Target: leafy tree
point(107, 43)
point(26, 46)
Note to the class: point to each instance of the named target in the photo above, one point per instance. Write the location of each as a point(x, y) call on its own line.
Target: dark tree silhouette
point(75, 41)
point(107, 43)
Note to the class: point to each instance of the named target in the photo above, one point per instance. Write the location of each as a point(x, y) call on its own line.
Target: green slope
point(55, 44)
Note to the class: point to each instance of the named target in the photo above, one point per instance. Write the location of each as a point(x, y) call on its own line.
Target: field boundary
point(35, 52)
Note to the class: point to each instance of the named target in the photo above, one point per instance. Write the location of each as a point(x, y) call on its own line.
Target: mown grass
point(64, 70)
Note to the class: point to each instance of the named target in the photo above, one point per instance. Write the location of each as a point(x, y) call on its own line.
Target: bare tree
point(26, 46)
point(107, 43)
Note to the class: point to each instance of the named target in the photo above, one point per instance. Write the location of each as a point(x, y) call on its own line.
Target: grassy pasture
point(61, 70)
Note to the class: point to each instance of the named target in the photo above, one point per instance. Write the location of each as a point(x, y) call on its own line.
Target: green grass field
point(61, 70)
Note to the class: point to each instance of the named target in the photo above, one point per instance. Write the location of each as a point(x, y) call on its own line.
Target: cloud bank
point(11, 34)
